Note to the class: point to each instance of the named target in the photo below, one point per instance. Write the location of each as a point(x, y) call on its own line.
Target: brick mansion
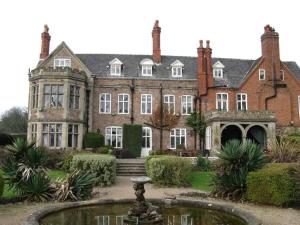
point(72, 94)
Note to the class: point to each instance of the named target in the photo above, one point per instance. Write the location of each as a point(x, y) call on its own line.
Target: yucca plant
point(78, 186)
point(235, 161)
point(19, 148)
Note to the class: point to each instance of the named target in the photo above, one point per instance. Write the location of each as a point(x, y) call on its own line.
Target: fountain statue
point(142, 212)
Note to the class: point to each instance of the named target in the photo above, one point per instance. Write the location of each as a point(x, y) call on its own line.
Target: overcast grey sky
point(124, 26)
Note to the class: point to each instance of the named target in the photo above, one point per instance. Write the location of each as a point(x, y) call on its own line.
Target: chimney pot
point(207, 44)
point(45, 43)
point(201, 43)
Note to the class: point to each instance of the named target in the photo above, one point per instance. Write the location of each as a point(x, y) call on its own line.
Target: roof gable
point(177, 63)
point(115, 61)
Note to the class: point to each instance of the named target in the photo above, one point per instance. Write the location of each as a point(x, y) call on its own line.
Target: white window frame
point(146, 70)
point(185, 103)
point(261, 74)
point(144, 101)
point(73, 133)
point(103, 220)
point(33, 132)
point(208, 138)
point(118, 134)
point(122, 103)
point(241, 101)
point(61, 62)
point(168, 104)
point(182, 133)
point(34, 96)
point(105, 101)
point(115, 70)
point(56, 134)
point(147, 135)
point(218, 72)
point(222, 101)
point(176, 71)
point(282, 75)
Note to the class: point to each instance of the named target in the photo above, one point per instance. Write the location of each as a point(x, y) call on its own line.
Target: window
point(123, 103)
point(115, 70)
point(147, 138)
point(262, 74)
point(73, 135)
point(53, 95)
point(186, 220)
point(52, 134)
point(222, 101)
point(105, 103)
point(146, 104)
point(102, 220)
point(178, 137)
point(169, 103)
point(33, 132)
point(74, 97)
point(281, 75)
point(186, 104)
point(62, 63)
point(113, 136)
point(241, 101)
point(218, 72)
point(146, 70)
point(208, 138)
point(176, 71)
point(35, 96)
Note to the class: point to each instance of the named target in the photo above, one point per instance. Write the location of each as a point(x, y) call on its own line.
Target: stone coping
point(34, 218)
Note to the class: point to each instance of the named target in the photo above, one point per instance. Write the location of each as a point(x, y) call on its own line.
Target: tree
point(14, 120)
point(198, 122)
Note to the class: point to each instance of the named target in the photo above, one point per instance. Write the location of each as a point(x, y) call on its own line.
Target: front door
point(147, 141)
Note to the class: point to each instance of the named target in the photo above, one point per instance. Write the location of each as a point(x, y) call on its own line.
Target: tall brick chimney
point(45, 43)
point(270, 51)
point(156, 42)
point(209, 70)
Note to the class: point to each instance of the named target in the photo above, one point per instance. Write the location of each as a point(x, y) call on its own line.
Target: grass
point(201, 180)
point(53, 174)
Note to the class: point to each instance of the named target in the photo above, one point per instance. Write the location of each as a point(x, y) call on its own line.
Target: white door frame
point(145, 151)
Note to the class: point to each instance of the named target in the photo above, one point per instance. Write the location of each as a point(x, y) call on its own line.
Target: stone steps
point(131, 167)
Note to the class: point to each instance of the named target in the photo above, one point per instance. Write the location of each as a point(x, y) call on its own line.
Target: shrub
point(168, 170)
point(5, 139)
point(104, 150)
point(104, 166)
point(274, 184)
point(284, 150)
point(93, 140)
point(55, 158)
point(1, 184)
point(132, 139)
point(235, 161)
point(204, 164)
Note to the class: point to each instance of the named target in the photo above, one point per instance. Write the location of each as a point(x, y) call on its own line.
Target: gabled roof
point(235, 71)
point(177, 63)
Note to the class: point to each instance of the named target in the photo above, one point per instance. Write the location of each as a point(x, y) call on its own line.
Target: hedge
point(168, 170)
point(5, 139)
point(132, 139)
point(1, 184)
point(93, 140)
point(274, 184)
point(104, 166)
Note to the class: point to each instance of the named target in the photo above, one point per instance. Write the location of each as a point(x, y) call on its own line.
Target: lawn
point(201, 180)
point(53, 174)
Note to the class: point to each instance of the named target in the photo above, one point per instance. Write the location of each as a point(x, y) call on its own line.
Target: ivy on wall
point(132, 139)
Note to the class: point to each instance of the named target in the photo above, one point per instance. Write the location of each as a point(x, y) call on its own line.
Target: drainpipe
point(132, 88)
point(161, 116)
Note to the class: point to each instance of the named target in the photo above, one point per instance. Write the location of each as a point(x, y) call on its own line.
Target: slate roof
point(234, 73)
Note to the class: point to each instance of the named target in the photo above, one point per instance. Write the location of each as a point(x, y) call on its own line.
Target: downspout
point(132, 88)
point(161, 116)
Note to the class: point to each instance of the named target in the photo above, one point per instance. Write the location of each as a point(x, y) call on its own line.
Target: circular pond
point(176, 212)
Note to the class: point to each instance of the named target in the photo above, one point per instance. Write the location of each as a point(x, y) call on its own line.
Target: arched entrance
point(231, 132)
point(258, 135)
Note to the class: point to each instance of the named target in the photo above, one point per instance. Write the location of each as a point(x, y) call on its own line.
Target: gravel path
point(16, 213)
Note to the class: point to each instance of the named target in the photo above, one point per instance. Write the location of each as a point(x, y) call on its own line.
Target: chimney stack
point(156, 42)
point(270, 51)
point(45, 43)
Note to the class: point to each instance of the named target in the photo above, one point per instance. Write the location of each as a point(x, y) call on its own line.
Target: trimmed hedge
point(274, 184)
point(132, 139)
point(168, 170)
point(93, 140)
point(104, 166)
point(1, 184)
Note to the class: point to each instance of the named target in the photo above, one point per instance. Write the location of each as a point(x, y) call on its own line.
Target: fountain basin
point(96, 212)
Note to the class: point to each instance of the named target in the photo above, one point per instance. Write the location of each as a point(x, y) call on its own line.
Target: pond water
point(112, 214)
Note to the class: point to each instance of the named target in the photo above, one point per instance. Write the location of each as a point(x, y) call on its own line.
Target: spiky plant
point(235, 161)
point(19, 148)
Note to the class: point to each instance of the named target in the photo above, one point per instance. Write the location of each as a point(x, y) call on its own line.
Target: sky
point(234, 28)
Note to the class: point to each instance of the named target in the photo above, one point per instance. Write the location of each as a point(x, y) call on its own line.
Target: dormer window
point(262, 74)
point(218, 70)
point(62, 63)
point(177, 68)
point(115, 67)
point(147, 65)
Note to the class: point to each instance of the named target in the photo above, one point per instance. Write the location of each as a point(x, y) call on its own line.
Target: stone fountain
point(142, 212)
